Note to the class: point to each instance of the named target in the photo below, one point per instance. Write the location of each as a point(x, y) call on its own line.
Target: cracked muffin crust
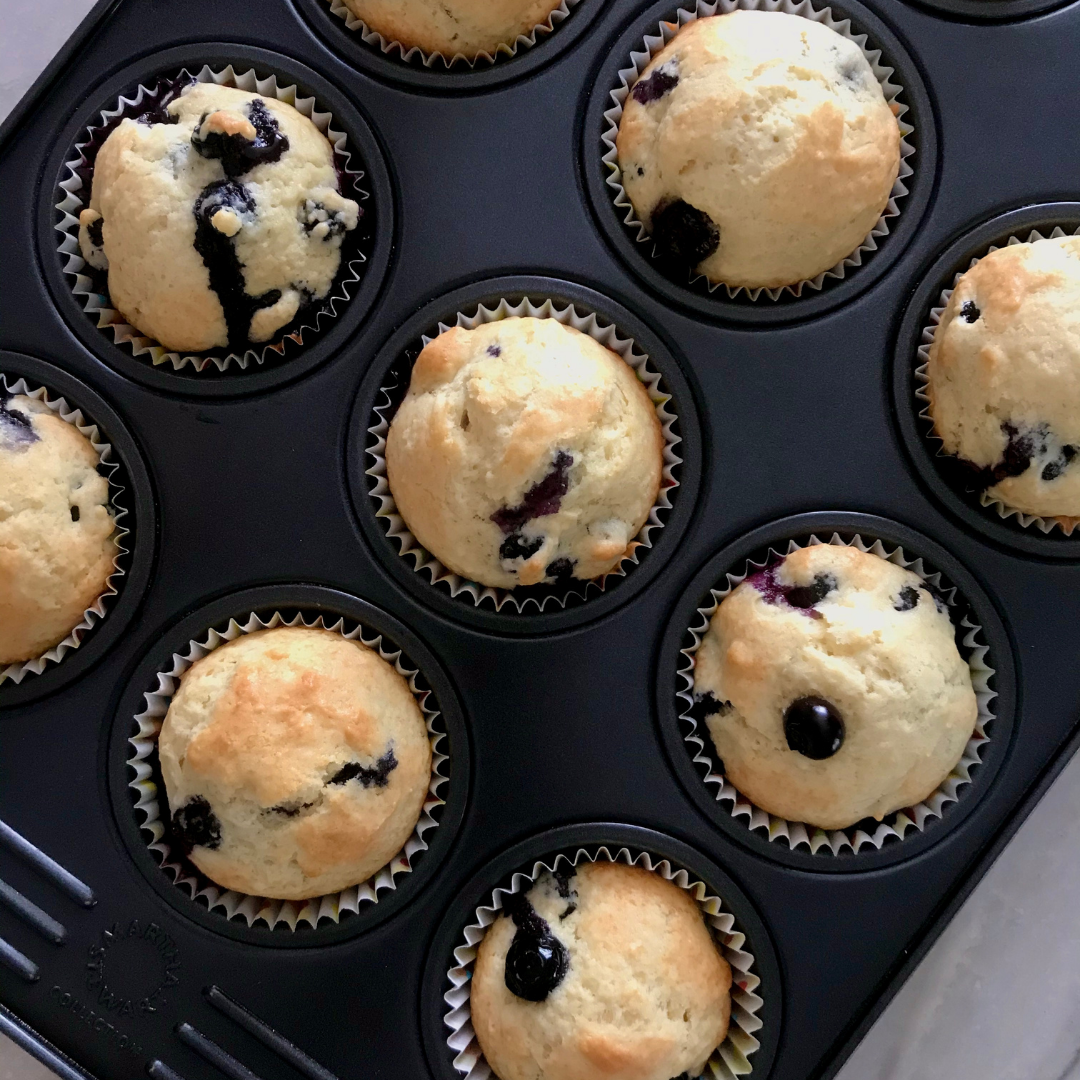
point(217, 223)
point(1004, 376)
point(758, 149)
point(57, 543)
point(524, 452)
point(296, 763)
point(833, 689)
point(453, 27)
point(607, 972)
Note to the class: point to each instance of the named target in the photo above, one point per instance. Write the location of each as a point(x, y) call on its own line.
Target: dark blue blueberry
point(560, 569)
point(1020, 447)
point(195, 825)
point(806, 596)
point(537, 961)
point(813, 727)
point(969, 311)
point(662, 81)
point(541, 499)
point(908, 599)
point(1055, 468)
point(76, 513)
point(683, 233)
point(494, 350)
point(93, 232)
point(290, 811)
point(237, 154)
point(15, 426)
point(517, 546)
point(377, 775)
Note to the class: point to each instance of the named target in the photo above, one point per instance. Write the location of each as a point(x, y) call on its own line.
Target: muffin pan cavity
point(980, 638)
point(534, 608)
point(139, 792)
point(320, 326)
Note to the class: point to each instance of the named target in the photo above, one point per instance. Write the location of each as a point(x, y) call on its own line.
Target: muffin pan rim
point(592, 834)
point(989, 11)
point(310, 599)
point(740, 313)
point(378, 179)
point(1001, 655)
point(135, 582)
point(349, 48)
point(684, 500)
point(919, 450)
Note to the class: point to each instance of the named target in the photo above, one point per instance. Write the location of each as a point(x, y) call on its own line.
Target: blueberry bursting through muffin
point(537, 961)
point(196, 824)
point(813, 725)
point(15, 426)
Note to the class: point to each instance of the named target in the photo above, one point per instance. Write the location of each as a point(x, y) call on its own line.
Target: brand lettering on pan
point(127, 966)
point(96, 1023)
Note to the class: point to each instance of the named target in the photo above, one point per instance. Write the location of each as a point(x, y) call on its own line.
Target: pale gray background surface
point(998, 998)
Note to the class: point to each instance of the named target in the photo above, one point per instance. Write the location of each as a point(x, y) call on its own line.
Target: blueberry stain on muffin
point(537, 961)
point(814, 728)
point(196, 825)
point(662, 81)
point(683, 233)
point(240, 143)
point(543, 498)
point(377, 775)
point(804, 597)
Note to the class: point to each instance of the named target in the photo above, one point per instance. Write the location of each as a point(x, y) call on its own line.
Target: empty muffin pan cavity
point(869, 843)
point(162, 853)
point(904, 93)
point(130, 504)
point(749, 1044)
point(962, 486)
point(319, 325)
point(527, 608)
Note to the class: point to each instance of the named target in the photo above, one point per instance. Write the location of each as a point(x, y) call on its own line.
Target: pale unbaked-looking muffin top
point(296, 763)
point(217, 228)
point(524, 452)
point(608, 972)
point(453, 27)
point(1004, 376)
point(834, 687)
point(57, 542)
point(758, 148)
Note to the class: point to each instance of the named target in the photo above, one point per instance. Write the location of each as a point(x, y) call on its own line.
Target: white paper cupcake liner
point(1066, 525)
point(654, 43)
point(907, 820)
point(731, 1059)
point(15, 673)
point(99, 306)
point(228, 902)
point(414, 54)
point(424, 562)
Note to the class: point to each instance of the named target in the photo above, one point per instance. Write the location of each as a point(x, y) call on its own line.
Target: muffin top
point(833, 687)
point(296, 763)
point(524, 452)
point(57, 548)
point(1004, 376)
point(608, 972)
point(453, 27)
point(758, 149)
point(215, 228)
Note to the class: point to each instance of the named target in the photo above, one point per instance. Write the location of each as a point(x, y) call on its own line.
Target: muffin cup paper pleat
point(655, 43)
point(414, 54)
point(151, 805)
point(1067, 525)
point(98, 305)
point(830, 842)
point(730, 1059)
point(424, 562)
point(97, 611)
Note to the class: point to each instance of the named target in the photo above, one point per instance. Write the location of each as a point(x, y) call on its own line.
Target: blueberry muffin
point(607, 973)
point(1004, 377)
point(453, 27)
point(218, 223)
point(833, 689)
point(758, 149)
point(296, 763)
point(57, 535)
point(524, 452)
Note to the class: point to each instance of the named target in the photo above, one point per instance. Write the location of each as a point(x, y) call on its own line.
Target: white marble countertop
point(998, 996)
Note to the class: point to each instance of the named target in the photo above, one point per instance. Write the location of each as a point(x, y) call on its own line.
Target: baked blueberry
point(907, 598)
point(970, 311)
point(814, 728)
point(683, 233)
point(806, 596)
point(541, 499)
point(195, 825)
point(560, 569)
point(517, 546)
point(536, 961)
point(377, 775)
point(662, 81)
point(238, 142)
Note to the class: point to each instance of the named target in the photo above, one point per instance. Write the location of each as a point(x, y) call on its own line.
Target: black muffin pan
point(249, 492)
